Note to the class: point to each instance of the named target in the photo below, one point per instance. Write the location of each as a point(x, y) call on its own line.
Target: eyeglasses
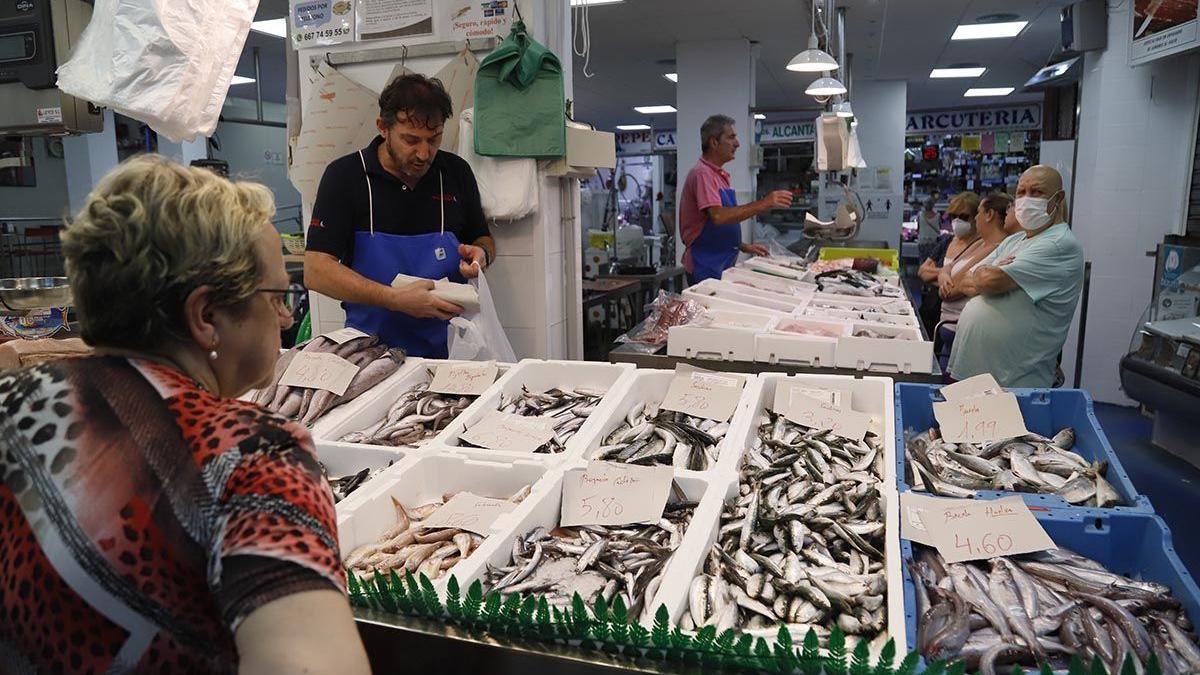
point(286, 299)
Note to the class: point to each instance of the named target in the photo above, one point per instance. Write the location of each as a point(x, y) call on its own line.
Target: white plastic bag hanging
point(508, 186)
point(480, 337)
point(167, 64)
point(458, 76)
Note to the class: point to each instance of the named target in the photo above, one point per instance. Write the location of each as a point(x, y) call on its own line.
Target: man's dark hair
point(423, 100)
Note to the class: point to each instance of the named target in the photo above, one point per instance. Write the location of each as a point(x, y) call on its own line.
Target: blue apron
point(380, 257)
point(716, 249)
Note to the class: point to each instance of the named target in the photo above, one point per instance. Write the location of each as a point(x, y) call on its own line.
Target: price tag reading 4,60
point(615, 494)
point(980, 419)
point(319, 370)
point(695, 392)
point(969, 529)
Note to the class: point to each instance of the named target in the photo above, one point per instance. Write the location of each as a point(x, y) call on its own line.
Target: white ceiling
point(888, 40)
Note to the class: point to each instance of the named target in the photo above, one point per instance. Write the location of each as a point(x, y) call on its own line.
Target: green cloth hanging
point(519, 104)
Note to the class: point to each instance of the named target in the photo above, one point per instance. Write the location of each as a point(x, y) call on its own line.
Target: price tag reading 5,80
point(615, 494)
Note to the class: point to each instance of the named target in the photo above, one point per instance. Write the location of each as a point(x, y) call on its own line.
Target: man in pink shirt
point(709, 215)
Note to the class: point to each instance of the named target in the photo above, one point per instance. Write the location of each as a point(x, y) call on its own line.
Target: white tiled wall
point(1131, 175)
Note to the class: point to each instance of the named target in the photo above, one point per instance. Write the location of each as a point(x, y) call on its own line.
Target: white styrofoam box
point(744, 291)
point(896, 332)
point(537, 376)
point(819, 303)
point(422, 479)
point(702, 535)
point(764, 265)
point(544, 507)
point(795, 350)
point(766, 282)
point(713, 302)
point(728, 291)
point(730, 336)
point(343, 459)
point(373, 406)
point(906, 353)
point(908, 320)
point(645, 386)
point(860, 299)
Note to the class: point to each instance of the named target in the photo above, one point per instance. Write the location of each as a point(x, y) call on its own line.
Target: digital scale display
point(16, 47)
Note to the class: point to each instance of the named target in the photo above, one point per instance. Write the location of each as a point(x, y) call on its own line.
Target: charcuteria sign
point(1020, 116)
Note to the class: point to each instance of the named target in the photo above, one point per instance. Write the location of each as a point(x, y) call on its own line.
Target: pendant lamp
point(813, 59)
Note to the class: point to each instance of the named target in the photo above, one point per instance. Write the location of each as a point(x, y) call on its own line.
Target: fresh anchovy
point(650, 435)
point(342, 486)
point(567, 409)
point(417, 415)
point(1031, 463)
point(1045, 608)
point(802, 542)
point(411, 547)
point(626, 561)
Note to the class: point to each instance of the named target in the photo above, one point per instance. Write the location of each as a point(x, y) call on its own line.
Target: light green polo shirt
point(1016, 336)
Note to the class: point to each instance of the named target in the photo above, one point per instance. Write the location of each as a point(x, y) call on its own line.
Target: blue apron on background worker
point(709, 216)
point(399, 206)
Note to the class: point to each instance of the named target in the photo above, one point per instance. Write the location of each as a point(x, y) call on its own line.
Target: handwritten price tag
point(505, 431)
point(972, 386)
point(344, 335)
point(784, 392)
point(980, 419)
point(607, 493)
point(319, 370)
point(464, 379)
point(470, 512)
point(810, 412)
point(704, 394)
point(973, 529)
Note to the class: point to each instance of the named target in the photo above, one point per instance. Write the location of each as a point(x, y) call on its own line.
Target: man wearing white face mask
point(1023, 295)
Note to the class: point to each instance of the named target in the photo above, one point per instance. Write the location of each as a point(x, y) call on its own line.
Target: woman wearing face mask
point(1024, 293)
point(987, 234)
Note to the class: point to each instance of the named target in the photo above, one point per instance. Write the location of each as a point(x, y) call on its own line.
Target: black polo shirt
point(342, 202)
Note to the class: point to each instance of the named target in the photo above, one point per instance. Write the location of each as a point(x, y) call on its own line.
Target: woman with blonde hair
point(150, 521)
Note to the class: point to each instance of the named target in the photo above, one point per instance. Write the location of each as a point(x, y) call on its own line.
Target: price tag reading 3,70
point(319, 370)
point(980, 419)
point(607, 493)
point(815, 414)
point(713, 396)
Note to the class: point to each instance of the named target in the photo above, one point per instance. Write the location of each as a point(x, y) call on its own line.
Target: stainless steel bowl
point(35, 293)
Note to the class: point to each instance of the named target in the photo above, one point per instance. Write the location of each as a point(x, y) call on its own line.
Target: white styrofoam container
point(716, 343)
point(765, 265)
point(870, 395)
point(907, 353)
point(706, 297)
point(859, 299)
point(373, 406)
point(819, 303)
point(537, 375)
point(421, 479)
point(745, 295)
point(789, 300)
point(908, 320)
point(795, 350)
point(544, 507)
point(343, 459)
point(766, 282)
point(645, 386)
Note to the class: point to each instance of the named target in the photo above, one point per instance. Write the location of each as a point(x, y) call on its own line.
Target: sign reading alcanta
point(1021, 116)
point(787, 132)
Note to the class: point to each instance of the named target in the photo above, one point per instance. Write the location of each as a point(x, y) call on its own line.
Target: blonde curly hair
point(151, 232)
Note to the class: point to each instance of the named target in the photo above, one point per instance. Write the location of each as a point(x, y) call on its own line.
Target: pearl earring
point(212, 353)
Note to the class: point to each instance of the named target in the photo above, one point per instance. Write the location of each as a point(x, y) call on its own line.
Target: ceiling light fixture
point(674, 77)
point(654, 109)
point(593, 3)
point(813, 59)
point(759, 116)
point(988, 91)
point(276, 27)
point(238, 79)
point(824, 87)
point(633, 127)
point(988, 31)
point(940, 73)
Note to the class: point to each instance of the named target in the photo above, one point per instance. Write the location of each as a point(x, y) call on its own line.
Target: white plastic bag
point(508, 186)
point(479, 336)
point(167, 64)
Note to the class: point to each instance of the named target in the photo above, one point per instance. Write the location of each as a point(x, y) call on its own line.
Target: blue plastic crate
point(1046, 411)
point(1136, 545)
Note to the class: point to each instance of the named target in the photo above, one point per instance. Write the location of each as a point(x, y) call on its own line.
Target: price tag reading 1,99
point(615, 494)
point(980, 419)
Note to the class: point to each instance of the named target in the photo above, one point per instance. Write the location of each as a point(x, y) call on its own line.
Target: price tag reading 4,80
point(980, 419)
point(319, 370)
point(615, 494)
point(700, 393)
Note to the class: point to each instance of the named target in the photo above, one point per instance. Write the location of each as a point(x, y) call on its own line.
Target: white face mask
point(1033, 212)
point(961, 227)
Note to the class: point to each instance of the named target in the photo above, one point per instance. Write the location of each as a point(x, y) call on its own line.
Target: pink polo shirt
point(701, 190)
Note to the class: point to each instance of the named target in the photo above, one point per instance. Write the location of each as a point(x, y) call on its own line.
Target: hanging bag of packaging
point(519, 105)
point(508, 186)
point(479, 336)
point(167, 64)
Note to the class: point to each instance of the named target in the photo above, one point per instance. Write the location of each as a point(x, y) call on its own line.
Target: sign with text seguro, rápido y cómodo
point(1020, 116)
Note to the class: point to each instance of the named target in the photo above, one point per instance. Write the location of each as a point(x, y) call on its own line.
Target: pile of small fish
point(653, 436)
point(408, 546)
point(342, 486)
point(856, 282)
point(593, 560)
point(803, 542)
point(1030, 463)
point(1046, 607)
point(419, 414)
point(879, 335)
point(567, 408)
point(375, 361)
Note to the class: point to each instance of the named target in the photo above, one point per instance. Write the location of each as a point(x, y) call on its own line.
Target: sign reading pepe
point(1022, 116)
